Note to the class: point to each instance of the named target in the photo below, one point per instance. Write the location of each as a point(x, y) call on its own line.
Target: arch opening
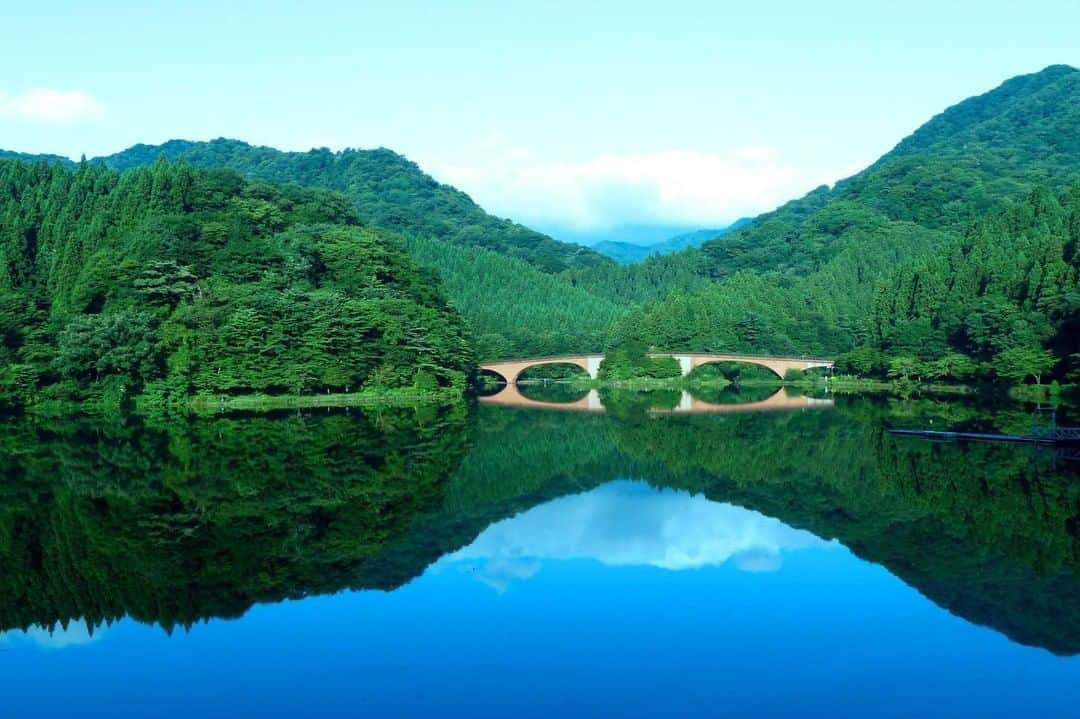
point(736, 372)
point(556, 382)
point(553, 372)
point(489, 382)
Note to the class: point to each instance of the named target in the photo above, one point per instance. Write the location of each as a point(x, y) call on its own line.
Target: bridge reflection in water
point(511, 396)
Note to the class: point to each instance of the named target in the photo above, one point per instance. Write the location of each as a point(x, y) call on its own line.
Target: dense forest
point(1003, 301)
point(167, 281)
point(513, 309)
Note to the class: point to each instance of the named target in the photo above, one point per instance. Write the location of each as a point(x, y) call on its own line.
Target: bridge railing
point(720, 356)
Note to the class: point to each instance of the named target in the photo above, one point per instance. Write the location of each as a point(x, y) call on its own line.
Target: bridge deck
point(724, 355)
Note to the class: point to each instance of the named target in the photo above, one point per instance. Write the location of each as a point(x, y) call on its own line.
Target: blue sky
point(558, 114)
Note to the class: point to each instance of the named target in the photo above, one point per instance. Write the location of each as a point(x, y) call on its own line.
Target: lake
point(485, 560)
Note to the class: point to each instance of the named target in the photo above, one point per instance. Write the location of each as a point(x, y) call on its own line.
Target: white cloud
point(51, 106)
point(679, 187)
point(629, 523)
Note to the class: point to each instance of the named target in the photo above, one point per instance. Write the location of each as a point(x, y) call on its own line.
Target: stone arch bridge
point(510, 370)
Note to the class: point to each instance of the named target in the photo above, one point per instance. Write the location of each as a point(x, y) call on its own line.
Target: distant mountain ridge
point(628, 252)
point(388, 191)
point(958, 166)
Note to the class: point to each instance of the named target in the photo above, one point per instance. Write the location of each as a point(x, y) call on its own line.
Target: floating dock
point(1060, 435)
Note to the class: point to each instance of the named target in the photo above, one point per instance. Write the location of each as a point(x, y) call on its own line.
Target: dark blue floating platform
point(1060, 435)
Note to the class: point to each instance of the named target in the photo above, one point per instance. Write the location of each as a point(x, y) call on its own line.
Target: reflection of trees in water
point(634, 406)
point(733, 393)
point(988, 531)
point(557, 391)
point(176, 523)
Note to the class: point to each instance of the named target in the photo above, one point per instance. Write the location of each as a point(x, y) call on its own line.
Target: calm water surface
point(487, 561)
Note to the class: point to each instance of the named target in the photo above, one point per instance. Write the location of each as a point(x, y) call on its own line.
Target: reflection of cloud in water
point(629, 523)
point(57, 637)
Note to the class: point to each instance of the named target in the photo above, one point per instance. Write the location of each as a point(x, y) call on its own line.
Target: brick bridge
point(509, 370)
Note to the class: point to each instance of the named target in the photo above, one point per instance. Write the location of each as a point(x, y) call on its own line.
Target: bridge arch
point(510, 370)
point(772, 369)
point(779, 366)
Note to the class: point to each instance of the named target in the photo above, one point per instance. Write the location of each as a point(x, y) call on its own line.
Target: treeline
point(804, 279)
point(166, 281)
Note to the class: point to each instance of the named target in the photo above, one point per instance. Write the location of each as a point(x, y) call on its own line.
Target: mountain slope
point(387, 191)
point(958, 166)
point(803, 277)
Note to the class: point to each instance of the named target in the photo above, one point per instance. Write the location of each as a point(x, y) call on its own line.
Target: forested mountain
point(168, 280)
point(803, 278)
point(387, 191)
point(29, 157)
point(952, 170)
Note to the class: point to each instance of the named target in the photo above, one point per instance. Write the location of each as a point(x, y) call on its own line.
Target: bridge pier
point(593, 366)
point(686, 363)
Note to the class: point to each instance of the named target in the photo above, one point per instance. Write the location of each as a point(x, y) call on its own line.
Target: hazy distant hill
point(30, 157)
point(629, 252)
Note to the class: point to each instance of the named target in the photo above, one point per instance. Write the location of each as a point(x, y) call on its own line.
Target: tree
point(1018, 363)
point(905, 367)
point(953, 365)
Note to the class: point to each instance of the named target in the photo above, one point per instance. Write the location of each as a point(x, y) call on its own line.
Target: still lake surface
point(492, 561)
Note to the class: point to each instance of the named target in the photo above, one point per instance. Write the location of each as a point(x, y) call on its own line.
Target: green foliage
point(630, 361)
point(1019, 363)
point(186, 281)
point(515, 310)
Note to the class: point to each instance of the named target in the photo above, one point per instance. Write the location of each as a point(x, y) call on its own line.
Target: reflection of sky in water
point(58, 637)
point(630, 523)
point(600, 633)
